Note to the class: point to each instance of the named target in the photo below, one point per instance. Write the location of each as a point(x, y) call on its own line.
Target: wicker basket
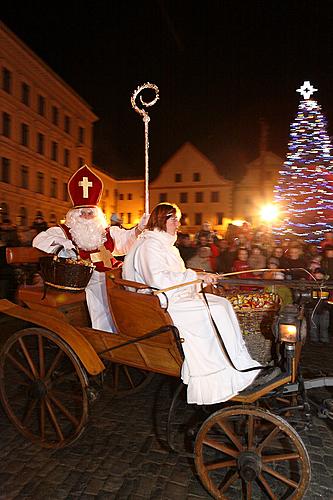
point(65, 274)
point(255, 323)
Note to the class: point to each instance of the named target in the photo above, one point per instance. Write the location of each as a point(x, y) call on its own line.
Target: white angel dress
point(210, 377)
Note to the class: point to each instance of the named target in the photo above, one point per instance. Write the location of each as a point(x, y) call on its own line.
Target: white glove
point(143, 221)
point(67, 244)
point(208, 278)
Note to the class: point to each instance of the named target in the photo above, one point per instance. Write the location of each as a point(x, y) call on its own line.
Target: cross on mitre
point(103, 255)
point(85, 184)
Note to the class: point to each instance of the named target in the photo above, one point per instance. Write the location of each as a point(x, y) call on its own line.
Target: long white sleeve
point(123, 239)
point(50, 240)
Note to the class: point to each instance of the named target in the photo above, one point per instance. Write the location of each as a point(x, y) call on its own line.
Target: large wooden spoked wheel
point(247, 452)
point(124, 379)
point(43, 387)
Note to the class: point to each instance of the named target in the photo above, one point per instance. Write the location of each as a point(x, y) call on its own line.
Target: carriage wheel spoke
point(224, 487)
point(267, 487)
point(19, 366)
point(279, 476)
point(250, 432)
point(54, 364)
point(129, 377)
point(246, 490)
point(73, 397)
point(54, 419)
point(41, 357)
point(28, 358)
point(64, 410)
point(31, 405)
point(221, 465)
point(268, 438)
point(42, 419)
point(221, 447)
point(277, 458)
point(230, 433)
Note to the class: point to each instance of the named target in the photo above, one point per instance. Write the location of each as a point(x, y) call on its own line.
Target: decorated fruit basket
point(255, 312)
point(69, 275)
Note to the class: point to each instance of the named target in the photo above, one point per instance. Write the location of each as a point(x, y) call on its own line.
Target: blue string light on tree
point(304, 191)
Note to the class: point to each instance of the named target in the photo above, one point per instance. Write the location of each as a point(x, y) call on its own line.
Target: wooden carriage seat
point(135, 315)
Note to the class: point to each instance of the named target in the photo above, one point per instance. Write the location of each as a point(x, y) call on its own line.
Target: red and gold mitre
point(85, 188)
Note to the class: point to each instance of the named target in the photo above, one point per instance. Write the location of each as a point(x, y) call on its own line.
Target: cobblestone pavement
point(122, 454)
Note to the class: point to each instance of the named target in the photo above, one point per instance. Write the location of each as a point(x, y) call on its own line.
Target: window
point(178, 177)
point(183, 198)
point(55, 115)
point(196, 177)
point(66, 157)
point(122, 215)
point(215, 196)
point(23, 217)
point(219, 218)
point(40, 183)
point(24, 177)
point(25, 94)
point(64, 192)
point(7, 80)
point(184, 219)
point(129, 196)
point(121, 196)
point(54, 151)
point(81, 135)
point(80, 162)
point(67, 124)
point(53, 219)
point(199, 197)
point(5, 170)
point(40, 143)
point(198, 219)
point(163, 197)
point(53, 190)
point(41, 105)
point(6, 124)
point(4, 212)
point(24, 134)
point(129, 218)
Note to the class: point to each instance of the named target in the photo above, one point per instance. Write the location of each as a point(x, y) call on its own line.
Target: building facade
point(256, 187)
point(122, 197)
point(46, 134)
point(191, 180)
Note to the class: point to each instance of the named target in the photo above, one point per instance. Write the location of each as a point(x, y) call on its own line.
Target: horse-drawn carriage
point(52, 368)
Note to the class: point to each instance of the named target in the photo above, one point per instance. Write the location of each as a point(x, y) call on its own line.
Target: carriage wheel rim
point(239, 455)
point(43, 398)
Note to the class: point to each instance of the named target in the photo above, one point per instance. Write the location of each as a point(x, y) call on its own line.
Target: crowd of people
point(254, 253)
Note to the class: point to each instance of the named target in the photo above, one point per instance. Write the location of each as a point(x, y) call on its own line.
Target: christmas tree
point(304, 192)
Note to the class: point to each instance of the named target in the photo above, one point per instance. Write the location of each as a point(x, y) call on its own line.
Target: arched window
point(23, 217)
point(53, 219)
point(4, 211)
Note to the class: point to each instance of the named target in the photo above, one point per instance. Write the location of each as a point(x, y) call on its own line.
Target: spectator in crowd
point(292, 261)
point(206, 231)
point(327, 262)
point(282, 290)
point(318, 315)
point(328, 240)
point(277, 253)
point(223, 260)
point(201, 260)
point(241, 263)
point(39, 224)
point(116, 220)
point(185, 247)
point(257, 260)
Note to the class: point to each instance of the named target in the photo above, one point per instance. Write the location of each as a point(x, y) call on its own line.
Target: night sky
point(220, 66)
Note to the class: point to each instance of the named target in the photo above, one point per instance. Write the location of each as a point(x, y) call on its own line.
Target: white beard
point(87, 234)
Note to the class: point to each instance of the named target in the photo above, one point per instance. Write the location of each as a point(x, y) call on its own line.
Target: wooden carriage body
point(59, 331)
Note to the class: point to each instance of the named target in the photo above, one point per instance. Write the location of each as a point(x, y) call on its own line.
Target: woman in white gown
point(155, 260)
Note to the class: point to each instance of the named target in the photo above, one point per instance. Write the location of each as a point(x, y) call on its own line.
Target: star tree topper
point(306, 90)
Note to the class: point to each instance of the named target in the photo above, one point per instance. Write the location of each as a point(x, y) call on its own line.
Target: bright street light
point(269, 212)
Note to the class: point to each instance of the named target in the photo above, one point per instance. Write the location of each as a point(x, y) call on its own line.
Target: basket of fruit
point(255, 312)
point(70, 275)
